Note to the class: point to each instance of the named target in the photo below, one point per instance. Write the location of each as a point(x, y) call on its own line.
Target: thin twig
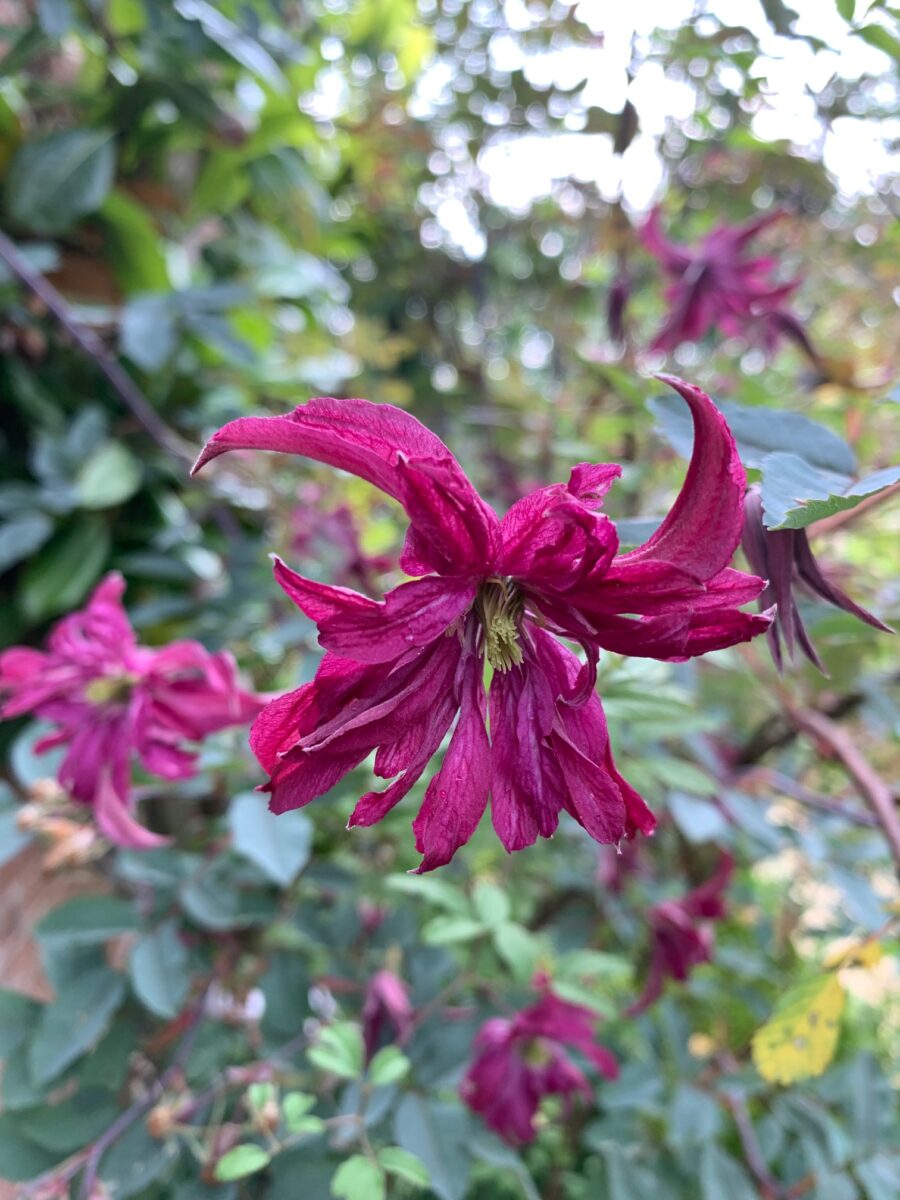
point(797, 791)
point(91, 345)
point(873, 789)
point(769, 1187)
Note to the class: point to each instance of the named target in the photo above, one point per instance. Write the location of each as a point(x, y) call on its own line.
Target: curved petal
point(371, 631)
point(672, 257)
point(703, 527)
point(387, 447)
point(114, 820)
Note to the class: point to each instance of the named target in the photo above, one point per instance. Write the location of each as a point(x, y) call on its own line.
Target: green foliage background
point(240, 201)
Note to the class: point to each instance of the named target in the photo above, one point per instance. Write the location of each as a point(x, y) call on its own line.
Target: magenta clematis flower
point(112, 699)
point(682, 934)
point(716, 286)
point(785, 558)
point(387, 1006)
point(397, 673)
point(519, 1061)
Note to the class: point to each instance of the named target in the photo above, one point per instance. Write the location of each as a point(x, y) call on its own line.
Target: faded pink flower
point(397, 673)
point(681, 933)
point(113, 700)
point(334, 536)
point(517, 1062)
point(715, 286)
point(387, 1008)
point(785, 558)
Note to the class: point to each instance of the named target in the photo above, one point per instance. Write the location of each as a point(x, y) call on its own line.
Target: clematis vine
point(519, 1061)
point(113, 700)
point(681, 933)
point(785, 558)
point(387, 1009)
point(398, 673)
point(715, 285)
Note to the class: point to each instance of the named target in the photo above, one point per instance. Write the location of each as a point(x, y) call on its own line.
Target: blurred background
point(217, 209)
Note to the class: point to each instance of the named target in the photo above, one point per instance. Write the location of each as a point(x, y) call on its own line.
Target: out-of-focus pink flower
point(113, 700)
point(617, 864)
point(334, 536)
point(682, 934)
point(784, 557)
point(398, 673)
point(387, 1006)
point(716, 286)
point(518, 1061)
point(616, 303)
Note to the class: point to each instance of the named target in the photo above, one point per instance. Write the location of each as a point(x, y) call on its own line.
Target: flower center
point(499, 607)
point(110, 689)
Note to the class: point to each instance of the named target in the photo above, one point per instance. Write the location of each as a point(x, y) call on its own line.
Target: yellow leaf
point(799, 1039)
point(863, 954)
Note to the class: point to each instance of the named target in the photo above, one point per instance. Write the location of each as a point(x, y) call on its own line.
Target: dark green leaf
point(279, 845)
point(20, 1158)
point(59, 578)
point(71, 1024)
point(158, 969)
point(135, 1161)
point(148, 333)
point(21, 535)
point(74, 1123)
point(88, 919)
point(58, 178)
point(758, 432)
point(110, 476)
point(438, 1134)
point(794, 494)
point(18, 1014)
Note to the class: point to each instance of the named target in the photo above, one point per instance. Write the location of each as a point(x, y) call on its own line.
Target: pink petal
point(457, 796)
point(114, 820)
point(703, 527)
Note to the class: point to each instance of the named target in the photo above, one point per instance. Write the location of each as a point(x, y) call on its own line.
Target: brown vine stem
point(91, 345)
point(873, 789)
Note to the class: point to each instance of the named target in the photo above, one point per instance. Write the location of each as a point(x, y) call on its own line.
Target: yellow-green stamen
point(499, 608)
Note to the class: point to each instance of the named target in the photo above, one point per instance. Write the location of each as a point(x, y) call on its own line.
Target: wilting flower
point(112, 699)
point(335, 536)
point(716, 286)
point(682, 934)
point(785, 558)
point(519, 1061)
point(397, 673)
point(387, 1007)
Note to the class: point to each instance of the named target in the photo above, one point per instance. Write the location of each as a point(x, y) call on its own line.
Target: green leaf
point(137, 1160)
point(232, 39)
point(58, 579)
point(437, 1133)
point(794, 494)
point(721, 1176)
point(158, 970)
point(758, 432)
point(444, 931)
point(20, 1159)
point(73, 1123)
point(881, 39)
point(359, 1179)
point(86, 920)
point(56, 179)
point(519, 948)
point(389, 1065)
point(133, 245)
point(149, 331)
point(846, 8)
point(241, 1162)
point(279, 845)
point(404, 1165)
point(74, 1022)
point(339, 1050)
point(490, 902)
point(21, 535)
point(18, 1014)
point(435, 891)
point(110, 476)
point(125, 17)
point(294, 1109)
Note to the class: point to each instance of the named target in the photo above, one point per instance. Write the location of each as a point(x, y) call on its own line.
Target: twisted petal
point(396, 453)
point(703, 527)
point(114, 820)
point(353, 626)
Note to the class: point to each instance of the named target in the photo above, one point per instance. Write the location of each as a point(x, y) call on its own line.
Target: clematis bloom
point(113, 700)
point(386, 1008)
point(517, 1062)
point(715, 285)
point(785, 558)
point(396, 673)
point(682, 933)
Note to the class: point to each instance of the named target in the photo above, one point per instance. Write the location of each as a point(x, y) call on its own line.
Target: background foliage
point(243, 204)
